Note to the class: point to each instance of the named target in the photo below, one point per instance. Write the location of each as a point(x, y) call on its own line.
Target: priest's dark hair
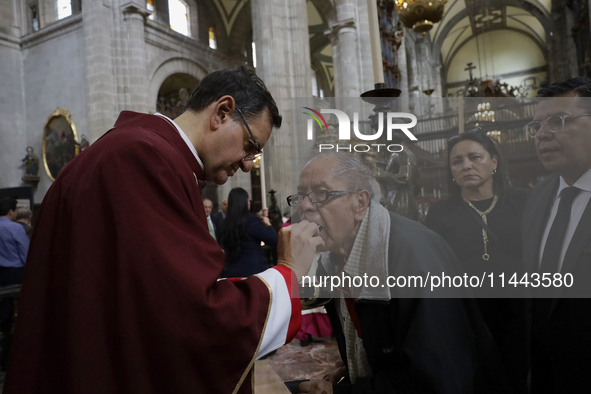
point(248, 90)
point(580, 86)
point(234, 223)
point(477, 135)
point(7, 204)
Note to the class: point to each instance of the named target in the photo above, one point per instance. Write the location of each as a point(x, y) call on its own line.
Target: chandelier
point(484, 113)
point(420, 15)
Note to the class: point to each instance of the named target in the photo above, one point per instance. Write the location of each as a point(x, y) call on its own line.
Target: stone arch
point(539, 13)
point(161, 70)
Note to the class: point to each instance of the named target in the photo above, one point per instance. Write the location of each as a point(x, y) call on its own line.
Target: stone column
point(280, 31)
point(402, 65)
point(421, 72)
point(366, 77)
point(13, 127)
point(346, 64)
point(101, 91)
point(135, 79)
point(562, 59)
point(413, 72)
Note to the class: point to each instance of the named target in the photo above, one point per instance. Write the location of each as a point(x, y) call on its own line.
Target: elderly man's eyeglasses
point(257, 147)
point(315, 197)
point(555, 124)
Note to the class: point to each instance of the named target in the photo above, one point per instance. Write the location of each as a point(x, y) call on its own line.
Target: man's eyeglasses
point(315, 197)
point(257, 147)
point(555, 124)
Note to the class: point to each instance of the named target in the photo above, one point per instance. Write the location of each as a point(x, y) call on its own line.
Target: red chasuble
point(120, 293)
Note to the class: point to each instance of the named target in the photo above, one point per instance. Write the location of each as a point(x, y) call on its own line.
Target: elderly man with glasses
point(391, 339)
point(557, 239)
point(121, 292)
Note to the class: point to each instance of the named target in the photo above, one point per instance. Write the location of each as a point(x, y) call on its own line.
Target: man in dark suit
point(218, 220)
point(557, 239)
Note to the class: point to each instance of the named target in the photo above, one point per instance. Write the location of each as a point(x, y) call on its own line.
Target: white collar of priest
point(184, 137)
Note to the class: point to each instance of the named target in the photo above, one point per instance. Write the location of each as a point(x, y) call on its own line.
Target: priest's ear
point(361, 203)
point(222, 111)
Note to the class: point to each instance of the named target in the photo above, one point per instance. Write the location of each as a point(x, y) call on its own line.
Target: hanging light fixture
point(420, 15)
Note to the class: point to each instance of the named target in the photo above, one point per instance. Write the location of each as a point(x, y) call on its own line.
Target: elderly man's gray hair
point(23, 213)
point(349, 169)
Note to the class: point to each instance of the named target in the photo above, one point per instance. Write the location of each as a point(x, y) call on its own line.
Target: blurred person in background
point(23, 217)
point(208, 206)
point(14, 246)
point(218, 220)
point(242, 236)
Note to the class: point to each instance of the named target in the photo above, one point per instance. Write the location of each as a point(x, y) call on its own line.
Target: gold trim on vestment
point(250, 365)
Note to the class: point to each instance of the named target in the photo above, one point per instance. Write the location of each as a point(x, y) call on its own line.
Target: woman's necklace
point(485, 256)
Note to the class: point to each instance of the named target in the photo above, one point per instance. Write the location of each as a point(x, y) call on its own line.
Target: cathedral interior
point(69, 67)
point(89, 60)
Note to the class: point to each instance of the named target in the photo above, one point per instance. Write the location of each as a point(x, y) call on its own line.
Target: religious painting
point(60, 142)
point(174, 93)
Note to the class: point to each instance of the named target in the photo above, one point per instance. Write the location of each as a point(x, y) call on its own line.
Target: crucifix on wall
point(469, 69)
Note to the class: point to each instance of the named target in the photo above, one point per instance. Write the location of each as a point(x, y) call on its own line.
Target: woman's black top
point(505, 317)
point(250, 260)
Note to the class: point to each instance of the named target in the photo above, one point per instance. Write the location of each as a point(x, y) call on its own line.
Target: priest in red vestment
point(121, 290)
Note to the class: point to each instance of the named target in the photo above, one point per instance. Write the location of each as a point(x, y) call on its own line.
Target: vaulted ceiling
point(229, 10)
point(478, 30)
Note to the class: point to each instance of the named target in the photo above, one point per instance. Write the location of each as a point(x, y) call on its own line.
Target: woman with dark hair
point(242, 235)
point(481, 221)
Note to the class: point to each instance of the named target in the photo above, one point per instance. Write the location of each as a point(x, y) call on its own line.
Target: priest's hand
point(297, 247)
point(316, 387)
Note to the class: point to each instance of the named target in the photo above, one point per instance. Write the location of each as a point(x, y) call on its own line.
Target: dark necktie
point(551, 256)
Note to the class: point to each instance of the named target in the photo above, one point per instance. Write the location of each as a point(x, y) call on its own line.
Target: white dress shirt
point(579, 204)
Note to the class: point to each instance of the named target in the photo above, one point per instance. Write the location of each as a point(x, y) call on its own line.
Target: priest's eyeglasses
point(258, 151)
point(555, 124)
point(315, 196)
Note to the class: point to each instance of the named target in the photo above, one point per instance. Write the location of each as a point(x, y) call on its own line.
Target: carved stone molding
point(131, 10)
point(335, 28)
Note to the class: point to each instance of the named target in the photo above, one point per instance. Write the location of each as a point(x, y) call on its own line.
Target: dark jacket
point(218, 226)
point(250, 260)
point(561, 339)
point(461, 227)
point(28, 228)
point(422, 345)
